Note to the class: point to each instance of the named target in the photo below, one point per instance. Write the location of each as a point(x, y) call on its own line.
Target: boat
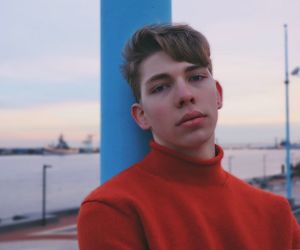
point(62, 148)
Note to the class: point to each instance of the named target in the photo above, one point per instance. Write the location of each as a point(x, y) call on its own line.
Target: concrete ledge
point(68, 211)
point(33, 219)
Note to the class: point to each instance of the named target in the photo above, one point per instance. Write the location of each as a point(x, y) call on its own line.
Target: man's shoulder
point(257, 195)
point(120, 186)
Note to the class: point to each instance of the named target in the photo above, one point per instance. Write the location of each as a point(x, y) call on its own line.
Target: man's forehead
point(161, 64)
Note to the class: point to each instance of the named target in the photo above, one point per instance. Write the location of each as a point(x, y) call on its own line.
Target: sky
point(49, 71)
point(49, 68)
point(247, 43)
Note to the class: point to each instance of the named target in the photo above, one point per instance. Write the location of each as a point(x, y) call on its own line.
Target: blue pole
point(122, 142)
point(287, 126)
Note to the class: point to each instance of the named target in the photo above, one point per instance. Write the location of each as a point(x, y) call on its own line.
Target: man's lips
point(190, 116)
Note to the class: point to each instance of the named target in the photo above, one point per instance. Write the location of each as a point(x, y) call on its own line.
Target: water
point(69, 180)
point(251, 163)
point(72, 177)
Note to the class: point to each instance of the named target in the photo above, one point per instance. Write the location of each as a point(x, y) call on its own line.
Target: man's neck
point(206, 150)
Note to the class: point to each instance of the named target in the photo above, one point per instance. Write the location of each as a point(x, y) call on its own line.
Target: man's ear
point(220, 95)
point(138, 115)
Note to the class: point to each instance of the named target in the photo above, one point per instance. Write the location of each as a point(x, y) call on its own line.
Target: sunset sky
point(247, 40)
point(49, 68)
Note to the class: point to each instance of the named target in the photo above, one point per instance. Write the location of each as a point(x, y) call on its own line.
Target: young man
point(179, 197)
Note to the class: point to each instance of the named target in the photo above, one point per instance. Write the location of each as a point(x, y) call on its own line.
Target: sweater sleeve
point(105, 226)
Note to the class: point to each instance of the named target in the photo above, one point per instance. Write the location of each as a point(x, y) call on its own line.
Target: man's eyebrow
point(192, 67)
point(163, 76)
point(158, 77)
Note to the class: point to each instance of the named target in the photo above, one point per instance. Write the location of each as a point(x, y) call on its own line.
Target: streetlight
point(264, 166)
point(44, 195)
point(230, 157)
point(287, 125)
point(296, 71)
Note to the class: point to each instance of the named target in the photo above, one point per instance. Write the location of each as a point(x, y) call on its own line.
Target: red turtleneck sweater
point(171, 201)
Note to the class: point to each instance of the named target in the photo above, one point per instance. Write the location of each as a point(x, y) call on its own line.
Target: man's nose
point(185, 95)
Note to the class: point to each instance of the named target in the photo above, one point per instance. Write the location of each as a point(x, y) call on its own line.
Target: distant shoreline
point(40, 151)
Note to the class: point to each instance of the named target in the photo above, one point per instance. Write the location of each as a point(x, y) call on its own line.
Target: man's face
point(179, 103)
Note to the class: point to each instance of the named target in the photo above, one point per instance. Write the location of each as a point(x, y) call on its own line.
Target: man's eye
point(196, 78)
point(159, 88)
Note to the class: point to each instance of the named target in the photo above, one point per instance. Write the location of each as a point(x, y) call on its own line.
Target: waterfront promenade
point(61, 234)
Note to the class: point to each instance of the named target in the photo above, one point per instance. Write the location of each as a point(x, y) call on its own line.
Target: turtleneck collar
point(174, 166)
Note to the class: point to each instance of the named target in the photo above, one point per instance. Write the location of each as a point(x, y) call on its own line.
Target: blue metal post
point(122, 142)
point(287, 126)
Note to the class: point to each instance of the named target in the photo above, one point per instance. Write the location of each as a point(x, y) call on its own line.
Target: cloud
point(44, 123)
point(265, 133)
point(54, 69)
